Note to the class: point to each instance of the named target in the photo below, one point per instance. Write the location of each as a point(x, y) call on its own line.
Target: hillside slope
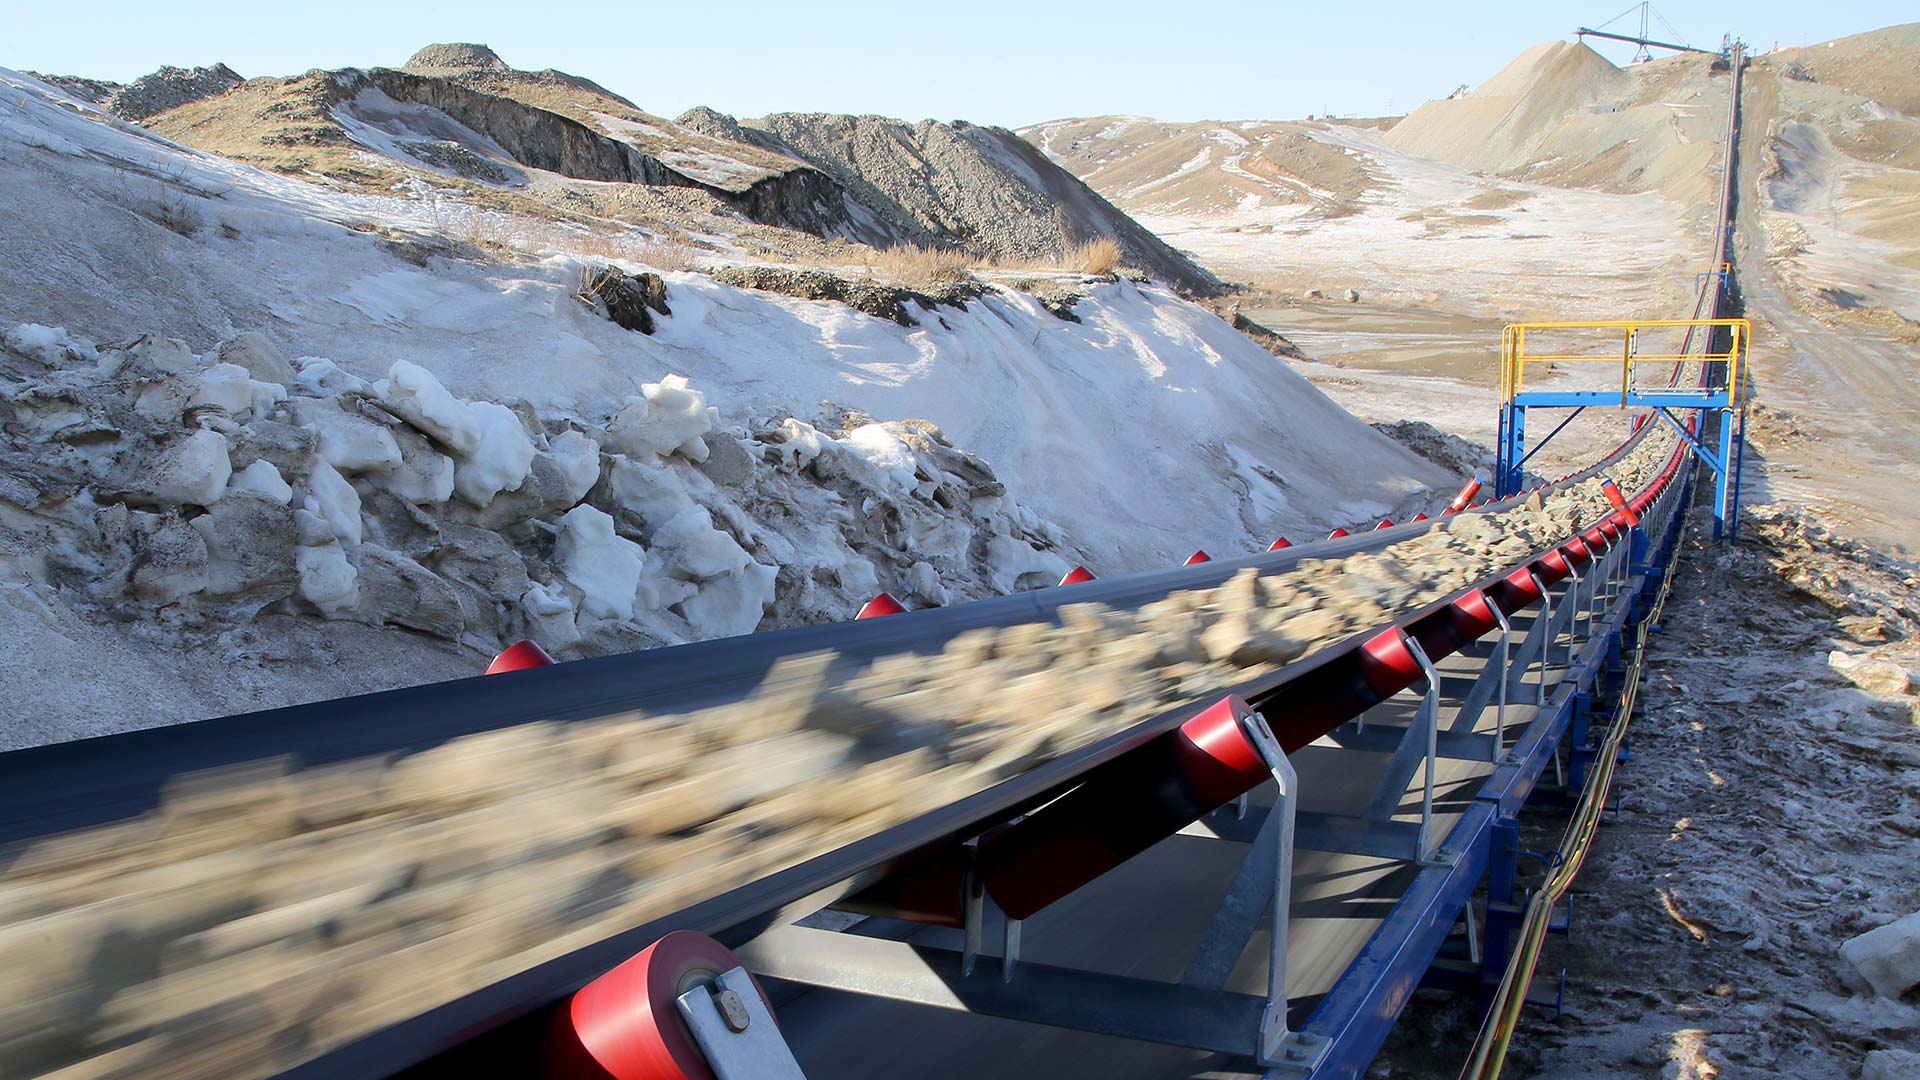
point(1149, 404)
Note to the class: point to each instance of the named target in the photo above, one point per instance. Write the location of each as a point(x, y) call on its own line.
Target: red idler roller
point(1279, 544)
point(1552, 566)
point(1619, 501)
point(625, 1025)
point(1610, 528)
point(518, 656)
point(1444, 631)
point(884, 604)
point(1465, 498)
point(1197, 558)
point(1133, 802)
point(1385, 523)
point(1515, 591)
point(1597, 540)
point(1577, 552)
point(1337, 534)
point(1077, 575)
point(1419, 517)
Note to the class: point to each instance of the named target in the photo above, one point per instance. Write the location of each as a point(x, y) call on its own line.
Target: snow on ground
point(1124, 441)
point(1420, 237)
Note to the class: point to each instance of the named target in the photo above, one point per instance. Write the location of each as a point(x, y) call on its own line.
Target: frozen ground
point(1433, 235)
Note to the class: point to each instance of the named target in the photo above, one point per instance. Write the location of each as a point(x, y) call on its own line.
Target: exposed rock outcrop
point(170, 88)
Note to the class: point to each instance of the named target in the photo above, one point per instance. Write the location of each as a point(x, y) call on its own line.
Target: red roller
point(1385, 523)
point(1337, 534)
point(884, 604)
point(1517, 590)
point(1619, 501)
point(517, 656)
point(1460, 622)
point(1197, 558)
point(1280, 543)
point(1077, 575)
point(1465, 498)
point(1419, 517)
point(625, 1024)
point(1577, 553)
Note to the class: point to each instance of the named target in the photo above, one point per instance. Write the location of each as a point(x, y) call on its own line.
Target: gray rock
point(284, 446)
point(250, 539)
point(398, 591)
point(545, 491)
point(728, 463)
point(251, 350)
point(170, 561)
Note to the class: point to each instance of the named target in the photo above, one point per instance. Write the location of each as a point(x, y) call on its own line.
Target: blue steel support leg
point(1723, 479)
point(1508, 473)
point(1503, 907)
point(1579, 748)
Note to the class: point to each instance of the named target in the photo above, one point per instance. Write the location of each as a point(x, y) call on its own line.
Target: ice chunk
point(262, 477)
point(693, 548)
point(193, 470)
point(668, 416)
point(800, 443)
point(51, 345)
point(886, 453)
point(424, 475)
point(414, 395)
point(650, 489)
point(333, 500)
point(499, 461)
point(351, 444)
point(1887, 958)
point(324, 378)
point(578, 457)
point(327, 580)
point(604, 567)
point(732, 604)
point(231, 388)
point(1009, 560)
point(549, 612)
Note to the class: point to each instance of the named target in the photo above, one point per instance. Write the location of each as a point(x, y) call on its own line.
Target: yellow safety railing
point(1515, 354)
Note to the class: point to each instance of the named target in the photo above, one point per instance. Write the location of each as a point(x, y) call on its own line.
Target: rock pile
point(257, 904)
point(170, 88)
point(201, 489)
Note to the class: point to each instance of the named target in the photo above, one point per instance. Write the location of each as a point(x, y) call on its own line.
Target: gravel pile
point(259, 917)
point(170, 88)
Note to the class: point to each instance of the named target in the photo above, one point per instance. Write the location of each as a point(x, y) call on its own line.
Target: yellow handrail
point(1514, 356)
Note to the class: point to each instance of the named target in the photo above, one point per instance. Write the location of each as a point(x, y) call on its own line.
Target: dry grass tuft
point(1101, 256)
point(920, 268)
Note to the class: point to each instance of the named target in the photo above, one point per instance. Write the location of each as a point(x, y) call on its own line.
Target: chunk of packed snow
point(322, 377)
point(1887, 958)
point(800, 443)
point(604, 567)
point(194, 470)
point(733, 604)
point(423, 476)
point(334, 501)
point(578, 457)
point(327, 580)
point(233, 388)
point(1890, 1065)
point(690, 545)
point(51, 345)
point(500, 460)
point(1008, 560)
point(262, 477)
point(414, 395)
point(650, 489)
point(349, 443)
point(668, 416)
point(549, 614)
point(883, 450)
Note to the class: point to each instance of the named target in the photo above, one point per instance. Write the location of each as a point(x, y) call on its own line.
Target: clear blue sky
point(988, 61)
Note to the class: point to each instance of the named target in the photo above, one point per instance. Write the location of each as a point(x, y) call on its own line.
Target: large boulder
point(170, 560)
point(398, 591)
point(1887, 958)
point(250, 540)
